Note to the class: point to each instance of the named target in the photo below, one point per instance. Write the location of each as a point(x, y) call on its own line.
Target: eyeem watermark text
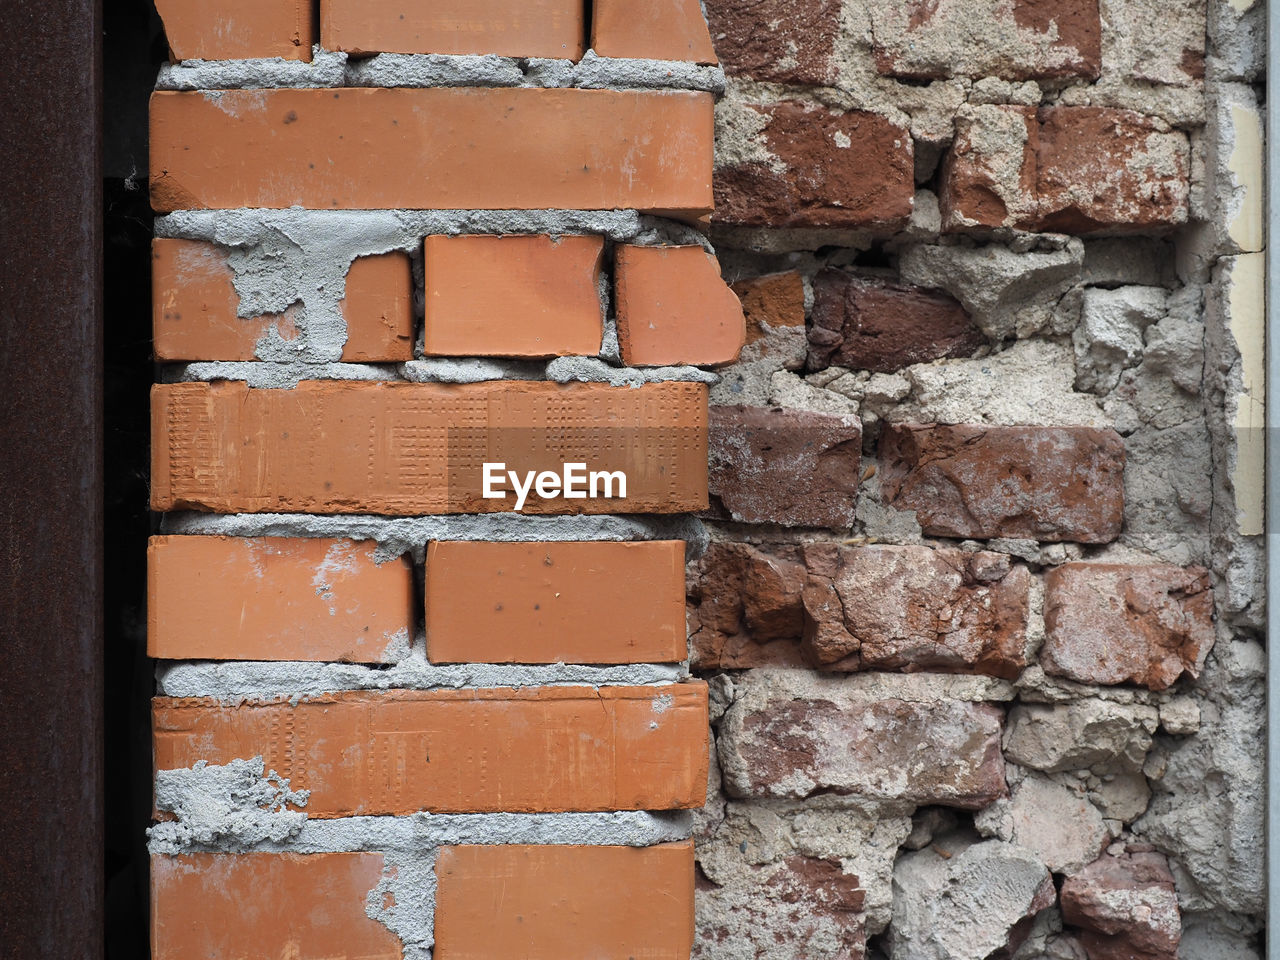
point(573, 482)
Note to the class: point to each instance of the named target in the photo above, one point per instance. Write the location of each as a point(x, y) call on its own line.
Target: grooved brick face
point(406, 448)
point(534, 750)
point(524, 28)
point(654, 30)
point(554, 902)
point(442, 148)
point(237, 29)
point(194, 308)
point(853, 169)
point(555, 602)
point(673, 308)
point(272, 598)
point(513, 296)
point(267, 905)
point(1041, 483)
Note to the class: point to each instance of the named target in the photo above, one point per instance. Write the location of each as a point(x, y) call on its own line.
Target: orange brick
point(652, 30)
point(233, 906)
point(555, 602)
point(450, 148)
point(534, 750)
point(673, 307)
point(273, 598)
point(552, 902)
point(237, 29)
point(770, 302)
point(412, 448)
point(509, 28)
point(194, 307)
point(512, 296)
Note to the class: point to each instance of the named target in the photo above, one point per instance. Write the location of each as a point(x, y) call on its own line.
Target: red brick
point(667, 30)
point(237, 29)
point(194, 307)
point(450, 148)
point(553, 902)
point(790, 41)
point(989, 174)
point(771, 302)
point(271, 598)
point(232, 906)
point(406, 448)
point(673, 308)
point(534, 750)
point(1025, 39)
point(1126, 907)
point(509, 28)
point(1116, 623)
point(555, 602)
point(867, 324)
point(974, 480)
point(851, 169)
point(791, 467)
point(513, 296)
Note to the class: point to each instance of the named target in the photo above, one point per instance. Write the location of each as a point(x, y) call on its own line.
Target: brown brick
point(771, 302)
point(533, 750)
point(513, 296)
point(1025, 39)
point(670, 30)
point(552, 902)
point(509, 28)
point(450, 148)
point(1110, 623)
point(272, 598)
point(229, 906)
point(791, 467)
point(1126, 907)
point(555, 602)
point(989, 174)
point(237, 29)
point(673, 308)
point(974, 480)
point(791, 41)
point(867, 324)
point(194, 307)
point(407, 448)
point(851, 169)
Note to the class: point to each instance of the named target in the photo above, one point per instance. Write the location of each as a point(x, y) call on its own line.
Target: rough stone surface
point(790, 467)
point(1110, 338)
point(1057, 823)
point(978, 481)
point(1126, 907)
point(1096, 735)
point(1119, 623)
point(866, 324)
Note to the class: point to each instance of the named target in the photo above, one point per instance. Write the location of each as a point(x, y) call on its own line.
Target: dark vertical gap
point(587, 26)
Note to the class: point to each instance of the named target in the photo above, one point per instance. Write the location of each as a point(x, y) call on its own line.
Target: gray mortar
point(326, 69)
point(266, 375)
point(231, 807)
point(435, 70)
point(470, 370)
point(592, 370)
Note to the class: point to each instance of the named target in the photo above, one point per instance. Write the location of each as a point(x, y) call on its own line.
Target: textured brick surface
point(1118, 623)
point(459, 751)
point(451, 148)
point(989, 174)
point(1042, 483)
point(404, 448)
point(555, 602)
point(271, 598)
point(531, 28)
point(237, 29)
point(666, 30)
point(791, 41)
point(552, 902)
point(771, 302)
point(673, 308)
point(194, 308)
point(228, 906)
point(512, 296)
point(790, 467)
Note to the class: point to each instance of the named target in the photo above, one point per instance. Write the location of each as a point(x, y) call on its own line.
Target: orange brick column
point(428, 444)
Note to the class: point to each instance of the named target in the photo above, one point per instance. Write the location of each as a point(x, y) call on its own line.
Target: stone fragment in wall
point(1088, 734)
point(1237, 40)
point(788, 41)
point(989, 174)
point(788, 467)
point(867, 324)
point(824, 169)
point(1129, 261)
point(1048, 940)
point(1168, 505)
point(1109, 339)
point(1056, 823)
point(771, 302)
point(980, 38)
point(1111, 623)
point(971, 480)
point(1126, 907)
point(959, 900)
point(791, 734)
point(1163, 42)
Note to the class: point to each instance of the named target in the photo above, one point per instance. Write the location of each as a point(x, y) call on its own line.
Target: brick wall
point(928, 338)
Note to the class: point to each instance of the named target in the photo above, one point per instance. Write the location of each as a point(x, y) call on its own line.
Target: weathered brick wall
point(961, 491)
